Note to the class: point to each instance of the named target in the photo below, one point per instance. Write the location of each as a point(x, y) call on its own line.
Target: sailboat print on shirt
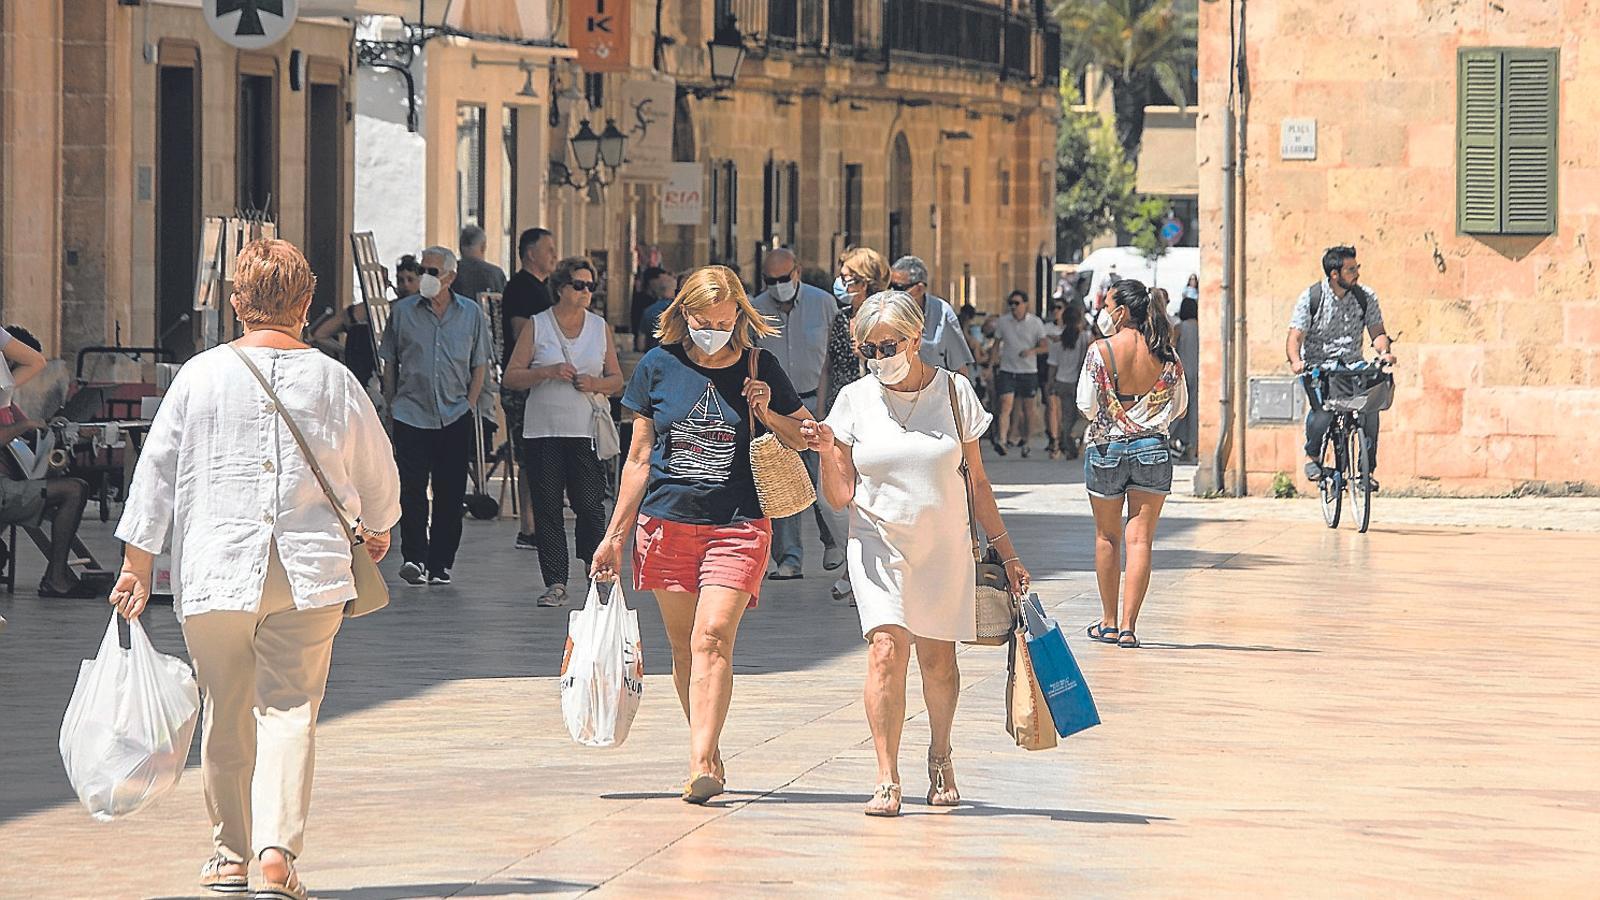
point(701, 446)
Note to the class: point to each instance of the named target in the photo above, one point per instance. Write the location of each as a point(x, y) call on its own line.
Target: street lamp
point(586, 147)
point(727, 51)
point(613, 143)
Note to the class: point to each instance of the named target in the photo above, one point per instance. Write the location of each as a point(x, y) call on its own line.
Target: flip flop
point(1127, 640)
point(1101, 632)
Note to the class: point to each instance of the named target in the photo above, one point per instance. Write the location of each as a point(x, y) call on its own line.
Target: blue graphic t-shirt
point(700, 465)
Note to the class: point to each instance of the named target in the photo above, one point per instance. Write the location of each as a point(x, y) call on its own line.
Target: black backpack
point(1316, 301)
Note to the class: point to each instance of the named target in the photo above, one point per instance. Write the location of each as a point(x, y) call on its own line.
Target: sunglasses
point(431, 270)
point(770, 280)
point(1013, 302)
point(904, 287)
point(587, 286)
point(850, 280)
point(882, 349)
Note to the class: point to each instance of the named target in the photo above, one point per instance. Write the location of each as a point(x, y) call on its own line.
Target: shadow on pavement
point(973, 808)
point(1153, 645)
point(516, 887)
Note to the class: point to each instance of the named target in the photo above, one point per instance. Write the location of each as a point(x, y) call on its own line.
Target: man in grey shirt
point(476, 275)
point(943, 344)
point(802, 314)
point(436, 351)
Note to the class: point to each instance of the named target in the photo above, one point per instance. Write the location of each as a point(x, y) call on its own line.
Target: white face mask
point(710, 340)
point(429, 286)
point(1104, 321)
point(892, 370)
point(785, 291)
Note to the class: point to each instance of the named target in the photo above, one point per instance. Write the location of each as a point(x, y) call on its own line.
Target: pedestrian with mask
point(689, 498)
point(436, 352)
point(802, 315)
point(1021, 338)
point(943, 343)
point(862, 272)
point(662, 286)
point(1061, 385)
point(526, 295)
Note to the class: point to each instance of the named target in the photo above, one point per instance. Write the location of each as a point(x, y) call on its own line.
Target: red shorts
point(674, 556)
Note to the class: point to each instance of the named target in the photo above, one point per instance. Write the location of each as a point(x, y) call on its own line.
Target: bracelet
point(997, 538)
point(377, 534)
point(1010, 559)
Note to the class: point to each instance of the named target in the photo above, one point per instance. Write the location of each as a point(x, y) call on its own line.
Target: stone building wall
point(1499, 337)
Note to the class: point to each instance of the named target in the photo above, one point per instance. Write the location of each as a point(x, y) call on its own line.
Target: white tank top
point(556, 408)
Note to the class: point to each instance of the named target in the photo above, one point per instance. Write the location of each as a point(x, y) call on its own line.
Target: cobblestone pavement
point(1414, 711)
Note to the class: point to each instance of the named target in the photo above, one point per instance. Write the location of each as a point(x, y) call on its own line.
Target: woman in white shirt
point(1131, 390)
point(891, 450)
point(260, 559)
point(567, 361)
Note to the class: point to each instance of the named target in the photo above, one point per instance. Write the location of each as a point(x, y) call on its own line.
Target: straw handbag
point(782, 483)
point(996, 606)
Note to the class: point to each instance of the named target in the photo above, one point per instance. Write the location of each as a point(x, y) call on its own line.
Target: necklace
point(915, 399)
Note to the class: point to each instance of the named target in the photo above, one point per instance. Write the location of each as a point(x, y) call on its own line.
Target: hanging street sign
point(251, 24)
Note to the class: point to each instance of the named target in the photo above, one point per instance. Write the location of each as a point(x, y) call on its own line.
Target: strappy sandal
point(212, 878)
point(553, 596)
point(942, 781)
point(885, 802)
point(1101, 632)
point(288, 889)
point(1127, 640)
point(702, 788)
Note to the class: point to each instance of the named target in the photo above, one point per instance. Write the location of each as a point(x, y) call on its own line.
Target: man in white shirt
point(802, 314)
point(943, 344)
point(1022, 337)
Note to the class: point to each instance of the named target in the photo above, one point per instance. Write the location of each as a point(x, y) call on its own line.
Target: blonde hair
point(896, 309)
point(867, 264)
point(271, 282)
point(704, 288)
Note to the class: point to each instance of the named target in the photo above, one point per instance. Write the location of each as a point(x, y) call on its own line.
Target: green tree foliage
point(1138, 44)
point(1094, 182)
point(1144, 227)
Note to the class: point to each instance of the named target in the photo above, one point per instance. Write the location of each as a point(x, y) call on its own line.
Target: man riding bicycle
point(1325, 329)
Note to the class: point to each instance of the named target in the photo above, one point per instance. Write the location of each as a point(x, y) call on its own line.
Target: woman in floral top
point(862, 272)
point(1131, 391)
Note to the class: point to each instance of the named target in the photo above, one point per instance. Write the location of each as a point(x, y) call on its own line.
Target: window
point(469, 165)
point(510, 125)
point(780, 203)
point(258, 144)
point(852, 205)
point(1005, 188)
point(724, 212)
point(966, 186)
point(1507, 101)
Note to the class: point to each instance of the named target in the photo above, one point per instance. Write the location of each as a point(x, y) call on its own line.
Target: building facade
point(123, 126)
point(1456, 146)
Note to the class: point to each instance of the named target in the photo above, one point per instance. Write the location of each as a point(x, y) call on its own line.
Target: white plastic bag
point(602, 676)
point(126, 734)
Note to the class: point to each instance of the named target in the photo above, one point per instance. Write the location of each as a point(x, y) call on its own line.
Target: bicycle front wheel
point(1361, 485)
point(1331, 487)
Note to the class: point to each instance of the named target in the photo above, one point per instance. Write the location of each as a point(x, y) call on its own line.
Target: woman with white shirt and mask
point(893, 450)
point(261, 563)
point(567, 361)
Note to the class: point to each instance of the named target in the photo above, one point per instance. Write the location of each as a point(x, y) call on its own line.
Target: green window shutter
point(1478, 130)
point(1531, 108)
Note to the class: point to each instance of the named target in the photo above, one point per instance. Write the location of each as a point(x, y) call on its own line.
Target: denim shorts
point(1023, 384)
point(1142, 464)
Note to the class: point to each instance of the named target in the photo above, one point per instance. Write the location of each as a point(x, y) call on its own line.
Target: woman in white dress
point(892, 449)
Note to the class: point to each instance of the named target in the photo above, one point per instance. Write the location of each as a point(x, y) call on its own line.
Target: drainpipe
point(1219, 457)
point(1241, 362)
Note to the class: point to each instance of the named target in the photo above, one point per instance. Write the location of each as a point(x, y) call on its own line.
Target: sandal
point(885, 802)
point(1100, 632)
point(703, 787)
point(212, 878)
point(554, 595)
point(288, 889)
point(942, 781)
point(1127, 640)
point(1313, 471)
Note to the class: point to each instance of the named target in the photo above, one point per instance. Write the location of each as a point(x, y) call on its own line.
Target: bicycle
point(1348, 392)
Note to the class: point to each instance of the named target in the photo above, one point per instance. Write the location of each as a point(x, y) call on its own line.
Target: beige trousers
point(263, 675)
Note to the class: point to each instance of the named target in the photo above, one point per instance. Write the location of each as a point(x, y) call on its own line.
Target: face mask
point(1105, 322)
point(892, 370)
point(839, 293)
point(429, 286)
point(1191, 292)
point(975, 330)
point(710, 340)
point(785, 291)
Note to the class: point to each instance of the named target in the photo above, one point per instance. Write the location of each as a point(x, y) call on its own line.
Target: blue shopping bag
point(1065, 691)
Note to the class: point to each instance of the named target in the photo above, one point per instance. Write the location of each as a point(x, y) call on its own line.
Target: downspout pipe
point(1219, 457)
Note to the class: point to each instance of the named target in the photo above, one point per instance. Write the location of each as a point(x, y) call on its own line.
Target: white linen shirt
point(220, 477)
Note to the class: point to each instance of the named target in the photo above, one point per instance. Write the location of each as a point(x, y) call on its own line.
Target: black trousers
point(1319, 420)
point(565, 468)
point(439, 456)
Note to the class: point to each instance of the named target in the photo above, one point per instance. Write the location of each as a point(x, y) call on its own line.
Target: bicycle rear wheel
point(1331, 487)
point(1361, 485)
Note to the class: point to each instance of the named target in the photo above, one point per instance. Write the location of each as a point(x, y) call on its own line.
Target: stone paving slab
point(1315, 713)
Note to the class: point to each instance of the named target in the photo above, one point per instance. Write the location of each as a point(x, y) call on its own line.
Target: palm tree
point(1139, 45)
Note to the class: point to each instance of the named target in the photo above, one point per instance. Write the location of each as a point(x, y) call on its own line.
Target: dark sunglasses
point(770, 280)
point(883, 349)
point(1013, 302)
point(588, 286)
point(904, 287)
point(431, 270)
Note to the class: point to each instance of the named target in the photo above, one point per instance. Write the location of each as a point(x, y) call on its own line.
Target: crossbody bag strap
point(566, 354)
point(1110, 357)
point(966, 473)
point(755, 369)
point(305, 449)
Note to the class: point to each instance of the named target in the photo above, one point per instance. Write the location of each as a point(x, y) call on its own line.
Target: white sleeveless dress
point(556, 408)
point(910, 555)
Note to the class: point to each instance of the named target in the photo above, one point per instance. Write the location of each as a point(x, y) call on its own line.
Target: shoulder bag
point(996, 607)
point(372, 594)
point(607, 442)
point(782, 483)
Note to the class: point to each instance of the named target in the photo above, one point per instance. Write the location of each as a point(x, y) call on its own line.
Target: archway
point(900, 178)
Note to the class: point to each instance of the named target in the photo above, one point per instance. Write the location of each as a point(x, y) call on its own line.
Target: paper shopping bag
point(1027, 715)
point(1057, 673)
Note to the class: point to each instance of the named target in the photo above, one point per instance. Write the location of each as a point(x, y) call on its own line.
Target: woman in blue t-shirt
point(700, 538)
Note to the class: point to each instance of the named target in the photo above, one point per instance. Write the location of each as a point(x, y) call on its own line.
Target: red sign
point(598, 30)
